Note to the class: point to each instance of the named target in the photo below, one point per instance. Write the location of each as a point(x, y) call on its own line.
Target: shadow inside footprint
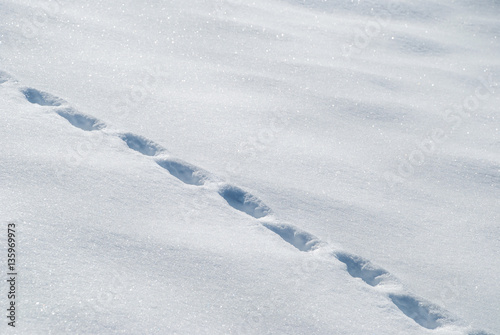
point(244, 201)
point(418, 311)
point(361, 268)
point(81, 121)
point(296, 237)
point(185, 172)
point(141, 144)
point(41, 98)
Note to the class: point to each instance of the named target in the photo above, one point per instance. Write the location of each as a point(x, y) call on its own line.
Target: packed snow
point(251, 167)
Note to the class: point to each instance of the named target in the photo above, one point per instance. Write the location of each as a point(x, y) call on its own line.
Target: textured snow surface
point(281, 167)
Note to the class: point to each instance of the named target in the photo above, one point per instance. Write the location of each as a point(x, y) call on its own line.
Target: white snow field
point(251, 167)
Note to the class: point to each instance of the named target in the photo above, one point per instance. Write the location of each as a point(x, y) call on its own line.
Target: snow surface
point(279, 166)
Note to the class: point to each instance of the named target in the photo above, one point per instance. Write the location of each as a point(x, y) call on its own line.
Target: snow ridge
point(424, 313)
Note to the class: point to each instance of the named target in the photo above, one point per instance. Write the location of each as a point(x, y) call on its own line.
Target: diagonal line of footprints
point(424, 313)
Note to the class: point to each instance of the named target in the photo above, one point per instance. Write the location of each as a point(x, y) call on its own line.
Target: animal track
point(244, 201)
point(361, 268)
point(423, 313)
point(41, 98)
point(141, 144)
point(81, 121)
point(298, 238)
point(185, 172)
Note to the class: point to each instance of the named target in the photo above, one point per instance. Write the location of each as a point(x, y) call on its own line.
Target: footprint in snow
point(41, 98)
point(141, 144)
point(82, 121)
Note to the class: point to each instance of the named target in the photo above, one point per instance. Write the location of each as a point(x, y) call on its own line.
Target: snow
point(280, 166)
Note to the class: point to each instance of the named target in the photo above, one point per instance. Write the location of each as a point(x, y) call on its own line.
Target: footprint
point(183, 171)
point(298, 238)
point(244, 201)
point(141, 144)
point(361, 268)
point(81, 121)
point(424, 314)
point(41, 98)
